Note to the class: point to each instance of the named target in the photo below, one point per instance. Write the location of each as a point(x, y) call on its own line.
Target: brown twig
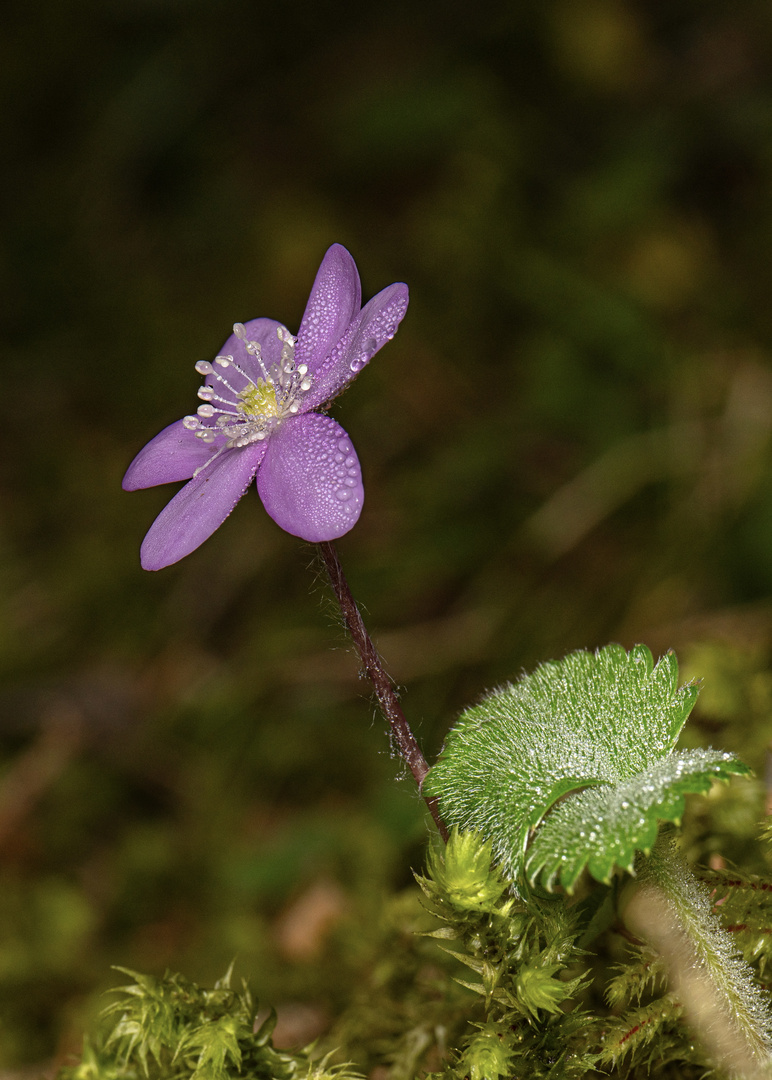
point(382, 684)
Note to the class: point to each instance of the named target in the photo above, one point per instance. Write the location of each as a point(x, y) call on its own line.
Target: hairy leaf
point(603, 827)
point(605, 722)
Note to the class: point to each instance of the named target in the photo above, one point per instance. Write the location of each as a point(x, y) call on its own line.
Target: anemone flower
point(260, 419)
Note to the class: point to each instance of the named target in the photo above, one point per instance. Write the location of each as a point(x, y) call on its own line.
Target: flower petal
point(201, 507)
point(310, 480)
point(335, 299)
point(174, 454)
point(376, 324)
point(265, 331)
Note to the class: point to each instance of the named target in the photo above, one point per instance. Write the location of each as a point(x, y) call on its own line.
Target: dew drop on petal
point(357, 364)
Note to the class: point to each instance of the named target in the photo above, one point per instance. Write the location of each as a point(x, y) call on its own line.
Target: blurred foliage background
point(567, 443)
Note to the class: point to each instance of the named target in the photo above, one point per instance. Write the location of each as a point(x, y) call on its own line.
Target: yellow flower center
point(259, 399)
point(248, 415)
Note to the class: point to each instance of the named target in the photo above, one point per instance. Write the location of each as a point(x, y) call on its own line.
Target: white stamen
point(207, 463)
point(248, 415)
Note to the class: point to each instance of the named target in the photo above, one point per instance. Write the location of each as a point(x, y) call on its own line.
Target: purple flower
point(257, 418)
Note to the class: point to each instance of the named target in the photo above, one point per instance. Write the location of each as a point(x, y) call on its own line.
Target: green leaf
point(603, 827)
point(605, 722)
point(489, 1054)
point(215, 1045)
point(464, 873)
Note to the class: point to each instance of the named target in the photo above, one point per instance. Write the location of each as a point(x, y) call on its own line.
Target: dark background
point(568, 442)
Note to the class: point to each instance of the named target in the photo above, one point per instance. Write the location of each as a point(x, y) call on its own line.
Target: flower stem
point(382, 684)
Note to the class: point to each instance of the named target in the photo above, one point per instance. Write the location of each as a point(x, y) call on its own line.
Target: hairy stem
point(665, 906)
point(384, 688)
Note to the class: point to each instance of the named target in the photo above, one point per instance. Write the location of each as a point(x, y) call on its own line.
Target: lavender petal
point(264, 331)
point(174, 454)
point(200, 507)
point(310, 480)
point(376, 324)
point(334, 301)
